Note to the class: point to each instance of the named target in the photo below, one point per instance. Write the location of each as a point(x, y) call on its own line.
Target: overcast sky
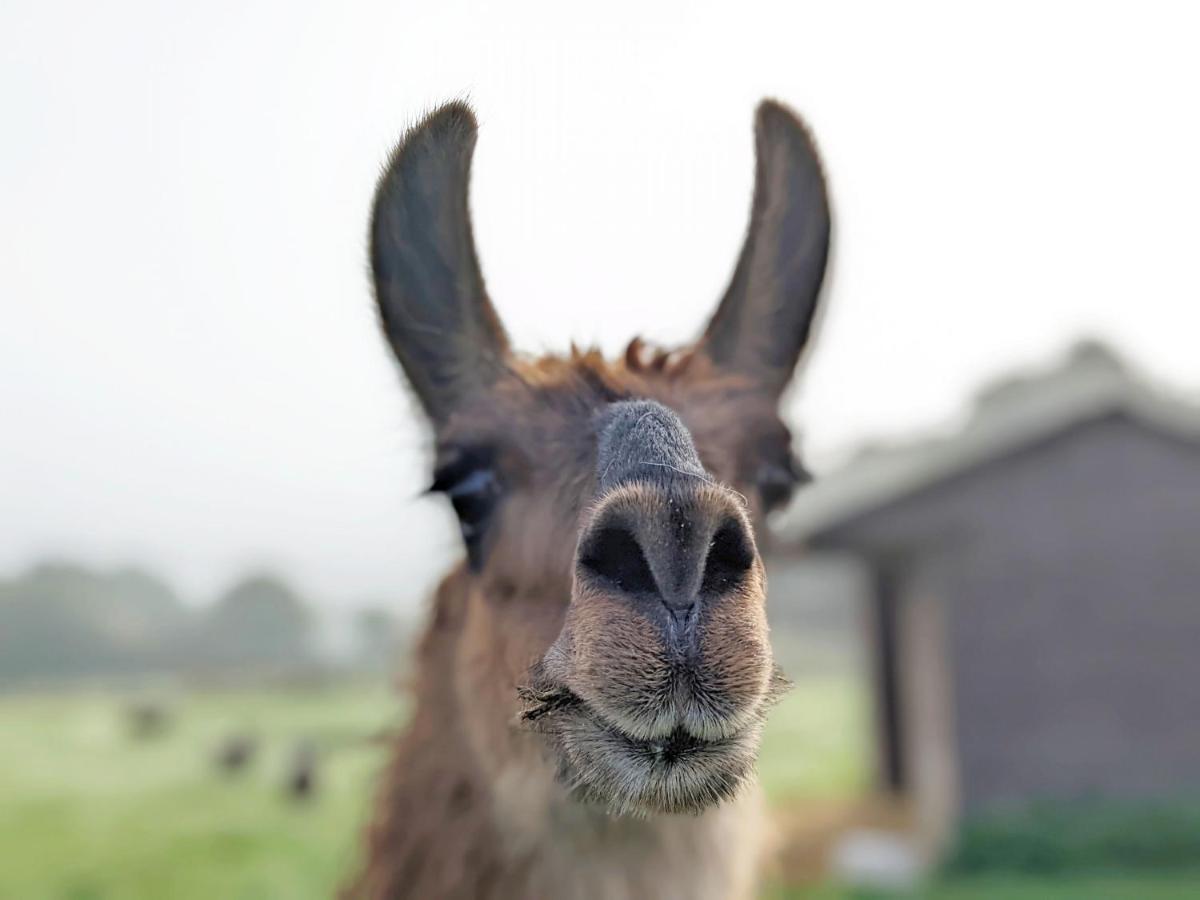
point(190, 373)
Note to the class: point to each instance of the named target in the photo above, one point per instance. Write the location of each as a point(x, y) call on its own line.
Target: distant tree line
point(61, 620)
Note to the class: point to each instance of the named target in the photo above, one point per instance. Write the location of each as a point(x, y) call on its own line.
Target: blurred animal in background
point(590, 689)
point(148, 719)
point(301, 779)
point(236, 752)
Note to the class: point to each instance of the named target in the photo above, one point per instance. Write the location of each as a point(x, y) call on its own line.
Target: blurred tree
point(64, 619)
point(141, 607)
point(377, 633)
point(259, 621)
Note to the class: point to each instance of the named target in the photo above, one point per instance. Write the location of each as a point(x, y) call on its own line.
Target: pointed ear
point(765, 317)
point(428, 285)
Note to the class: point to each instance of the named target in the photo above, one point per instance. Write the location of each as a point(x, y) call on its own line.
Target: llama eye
point(473, 497)
point(777, 479)
point(474, 490)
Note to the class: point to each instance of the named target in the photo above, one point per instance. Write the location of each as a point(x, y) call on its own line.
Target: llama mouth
point(668, 748)
point(600, 763)
point(672, 747)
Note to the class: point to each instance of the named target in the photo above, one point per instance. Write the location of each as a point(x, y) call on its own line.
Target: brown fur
point(464, 772)
point(544, 697)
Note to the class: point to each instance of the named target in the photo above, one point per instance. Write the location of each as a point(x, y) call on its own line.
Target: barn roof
point(1007, 416)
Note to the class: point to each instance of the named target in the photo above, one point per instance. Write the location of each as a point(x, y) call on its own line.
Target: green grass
point(816, 741)
point(1083, 836)
point(89, 813)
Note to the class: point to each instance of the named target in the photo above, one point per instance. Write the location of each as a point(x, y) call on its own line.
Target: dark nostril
point(615, 555)
point(730, 556)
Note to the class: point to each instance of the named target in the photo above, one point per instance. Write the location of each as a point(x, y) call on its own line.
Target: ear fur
point(428, 285)
point(765, 318)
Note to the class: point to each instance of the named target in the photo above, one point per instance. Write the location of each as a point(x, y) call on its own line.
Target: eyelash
point(470, 481)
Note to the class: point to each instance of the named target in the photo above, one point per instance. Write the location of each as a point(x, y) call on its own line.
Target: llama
point(592, 683)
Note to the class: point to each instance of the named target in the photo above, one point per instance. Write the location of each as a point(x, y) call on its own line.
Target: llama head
point(612, 628)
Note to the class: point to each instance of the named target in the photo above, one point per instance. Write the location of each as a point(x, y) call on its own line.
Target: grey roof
point(1007, 416)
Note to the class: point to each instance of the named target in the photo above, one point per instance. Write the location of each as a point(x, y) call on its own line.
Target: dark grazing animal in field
point(235, 752)
point(591, 686)
point(301, 775)
point(148, 719)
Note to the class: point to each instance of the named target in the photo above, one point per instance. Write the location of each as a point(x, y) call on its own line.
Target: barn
point(1031, 610)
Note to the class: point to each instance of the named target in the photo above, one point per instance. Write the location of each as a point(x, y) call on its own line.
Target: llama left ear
point(429, 288)
point(764, 320)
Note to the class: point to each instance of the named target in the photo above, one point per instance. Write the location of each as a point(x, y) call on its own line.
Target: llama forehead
point(545, 412)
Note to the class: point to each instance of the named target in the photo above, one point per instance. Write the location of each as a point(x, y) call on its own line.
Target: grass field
point(87, 812)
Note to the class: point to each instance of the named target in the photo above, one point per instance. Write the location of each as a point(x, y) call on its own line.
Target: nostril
point(730, 556)
point(615, 555)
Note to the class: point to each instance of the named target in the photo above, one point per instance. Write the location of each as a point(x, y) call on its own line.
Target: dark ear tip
point(771, 113)
point(451, 126)
point(452, 119)
point(775, 121)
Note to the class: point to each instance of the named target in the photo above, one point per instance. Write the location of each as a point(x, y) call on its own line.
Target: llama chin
point(678, 771)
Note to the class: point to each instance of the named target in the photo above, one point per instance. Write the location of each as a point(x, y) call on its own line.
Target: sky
point(190, 371)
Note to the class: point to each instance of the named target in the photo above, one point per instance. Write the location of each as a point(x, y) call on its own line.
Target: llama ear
point(428, 285)
point(764, 319)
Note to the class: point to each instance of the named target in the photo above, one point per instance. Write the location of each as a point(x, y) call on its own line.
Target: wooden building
point(1033, 605)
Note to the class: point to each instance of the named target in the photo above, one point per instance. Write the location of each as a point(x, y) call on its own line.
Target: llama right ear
point(428, 284)
point(766, 315)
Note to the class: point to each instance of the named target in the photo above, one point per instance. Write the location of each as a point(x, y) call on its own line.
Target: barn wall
point(1075, 619)
point(1072, 584)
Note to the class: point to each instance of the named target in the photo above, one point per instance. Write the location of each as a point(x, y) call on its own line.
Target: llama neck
point(582, 852)
point(458, 817)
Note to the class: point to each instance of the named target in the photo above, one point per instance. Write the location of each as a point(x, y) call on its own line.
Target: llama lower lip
point(677, 773)
point(680, 773)
point(668, 748)
point(679, 748)
point(675, 747)
point(671, 748)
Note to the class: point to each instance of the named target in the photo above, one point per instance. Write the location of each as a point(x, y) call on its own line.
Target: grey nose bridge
point(677, 563)
point(642, 440)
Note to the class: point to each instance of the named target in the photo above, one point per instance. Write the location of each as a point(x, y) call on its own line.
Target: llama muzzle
point(656, 687)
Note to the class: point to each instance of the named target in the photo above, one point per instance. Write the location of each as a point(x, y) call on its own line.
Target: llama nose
point(665, 532)
point(673, 560)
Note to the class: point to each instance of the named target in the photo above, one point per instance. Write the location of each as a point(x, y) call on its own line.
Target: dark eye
point(470, 480)
point(777, 479)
